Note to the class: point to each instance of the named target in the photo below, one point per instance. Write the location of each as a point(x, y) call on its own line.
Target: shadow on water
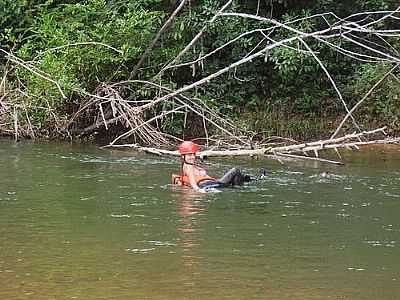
point(82, 223)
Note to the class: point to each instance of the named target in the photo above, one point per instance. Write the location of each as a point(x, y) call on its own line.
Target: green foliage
point(384, 103)
point(57, 45)
point(290, 63)
point(14, 20)
point(285, 92)
point(344, 8)
point(277, 123)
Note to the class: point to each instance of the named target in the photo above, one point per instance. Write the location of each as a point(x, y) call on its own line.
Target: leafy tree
point(82, 44)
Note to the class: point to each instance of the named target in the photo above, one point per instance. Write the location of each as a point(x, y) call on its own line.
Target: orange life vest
point(184, 180)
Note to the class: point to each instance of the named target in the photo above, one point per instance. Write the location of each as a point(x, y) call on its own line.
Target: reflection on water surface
point(82, 223)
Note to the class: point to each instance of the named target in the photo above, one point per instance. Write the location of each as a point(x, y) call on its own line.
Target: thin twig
point(35, 71)
point(332, 82)
point(362, 100)
point(196, 38)
point(78, 44)
point(156, 38)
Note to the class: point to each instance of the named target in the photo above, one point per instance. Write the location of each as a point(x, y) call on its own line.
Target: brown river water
point(78, 222)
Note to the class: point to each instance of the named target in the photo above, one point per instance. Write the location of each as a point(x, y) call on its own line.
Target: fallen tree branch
point(149, 150)
point(322, 144)
point(301, 157)
point(290, 151)
point(197, 107)
point(134, 129)
point(97, 125)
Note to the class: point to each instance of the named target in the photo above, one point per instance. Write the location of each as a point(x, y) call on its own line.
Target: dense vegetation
point(82, 44)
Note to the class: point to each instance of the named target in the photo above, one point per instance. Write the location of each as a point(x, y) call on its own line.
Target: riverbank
point(258, 127)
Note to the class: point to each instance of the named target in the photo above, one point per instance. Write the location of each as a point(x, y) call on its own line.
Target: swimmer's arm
point(189, 170)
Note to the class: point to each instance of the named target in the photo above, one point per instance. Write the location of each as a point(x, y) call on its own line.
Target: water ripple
point(161, 243)
point(138, 250)
point(391, 195)
point(120, 216)
point(377, 243)
point(8, 196)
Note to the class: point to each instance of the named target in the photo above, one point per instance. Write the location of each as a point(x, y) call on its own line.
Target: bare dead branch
point(196, 38)
point(78, 44)
point(166, 25)
point(291, 151)
point(363, 99)
point(34, 70)
point(332, 82)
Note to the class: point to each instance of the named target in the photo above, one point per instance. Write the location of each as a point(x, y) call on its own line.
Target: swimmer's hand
point(199, 190)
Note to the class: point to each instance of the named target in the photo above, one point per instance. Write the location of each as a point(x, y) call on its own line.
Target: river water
point(77, 222)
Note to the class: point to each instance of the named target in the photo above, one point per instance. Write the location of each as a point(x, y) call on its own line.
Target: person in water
point(196, 177)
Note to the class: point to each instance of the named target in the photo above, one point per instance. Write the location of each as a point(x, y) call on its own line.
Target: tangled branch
point(294, 151)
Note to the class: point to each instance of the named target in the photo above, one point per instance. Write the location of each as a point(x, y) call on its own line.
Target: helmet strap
point(184, 160)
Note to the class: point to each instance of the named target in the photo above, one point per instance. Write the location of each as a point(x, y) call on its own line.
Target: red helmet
point(188, 147)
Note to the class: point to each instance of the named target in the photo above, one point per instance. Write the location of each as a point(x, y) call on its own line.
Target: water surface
point(77, 222)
